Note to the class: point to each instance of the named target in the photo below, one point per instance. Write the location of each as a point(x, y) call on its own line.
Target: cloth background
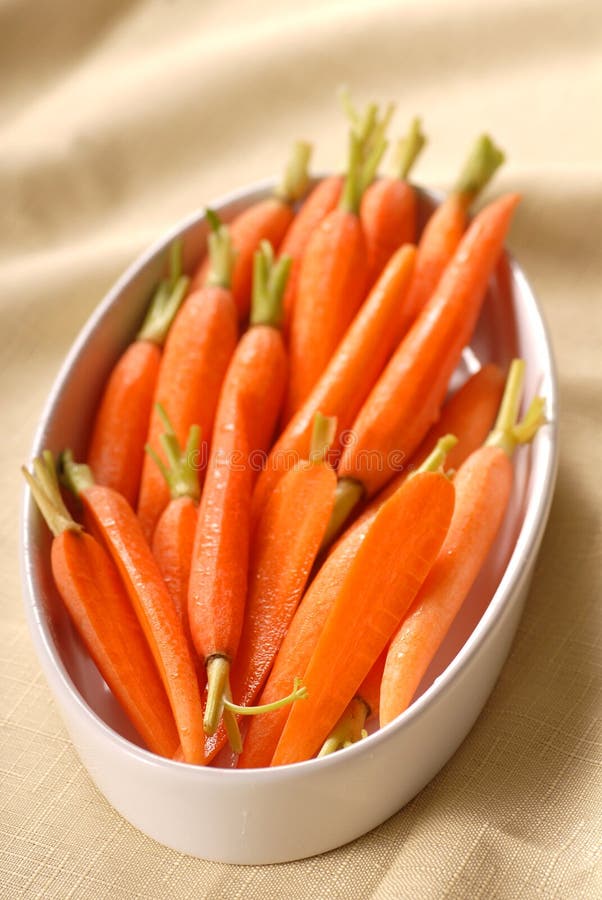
point(117, 118)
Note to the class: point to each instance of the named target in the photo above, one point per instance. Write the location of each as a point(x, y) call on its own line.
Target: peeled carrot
point(483, 484)
point(333, 276)
point(100, 609)
point(173, 538)
point(268, 220)
point(320, 201)
point(443, 231)
point(148, 594)
point(196, 355)
point(283, 551)
point(385, 576)
point(407, 398)
point(116, 450)
point(349, 377)
point(389, 207)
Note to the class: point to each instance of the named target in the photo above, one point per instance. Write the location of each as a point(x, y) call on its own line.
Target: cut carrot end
point(218, 682)
point(349, 729)
point(45, 490)
point(348, 494)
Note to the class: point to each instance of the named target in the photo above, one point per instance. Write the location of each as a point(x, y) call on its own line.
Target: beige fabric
point(119, 117)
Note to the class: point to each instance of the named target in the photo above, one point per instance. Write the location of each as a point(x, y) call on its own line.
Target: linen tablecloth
point(117, 118)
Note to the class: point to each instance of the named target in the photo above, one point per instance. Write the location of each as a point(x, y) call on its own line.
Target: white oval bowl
point(282, 814)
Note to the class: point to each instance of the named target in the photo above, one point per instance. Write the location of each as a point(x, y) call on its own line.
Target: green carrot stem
point(323, 435)
point(299, 692)
point(295, 181)
point(348, 494)
point(218, 683)
point(222, 254)
point(363, 162)
point(349, 729)
point(45, 490)
point(483, 161)
point(408, 149)
point(231, 724)
point(508, 432)
point(269, 282)
point(435, 461)
point(76, 477)
point(180, 473)
point(166, 300)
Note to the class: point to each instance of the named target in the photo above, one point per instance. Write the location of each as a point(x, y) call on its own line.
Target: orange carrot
point(389, 206)
point(385, 576)
point(443, 231)
point(349, 377)
point(333, 276)
point(197, 353)
point(152, 604)
point(468, 414)
point(283, 551)
point(101, 612)
point(174, 535)
point(483, 486)
point(322, 200)
point(268, 220)
point(116, 450)
point(407, 398)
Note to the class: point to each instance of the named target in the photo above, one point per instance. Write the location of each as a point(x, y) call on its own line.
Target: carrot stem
point(45, 489)
point(180, 472)
point(408, 149)
point(231, 723)
point(348, 494)
point(218, 679)
point(166, 300)
point(435, 461)
point(484, 159)
point(299, 692)
point(349, 729)
point(508, 432)
point(269, 282)
point(77, 477)
point(222, 254)
point(295, 181)
point(323, 435)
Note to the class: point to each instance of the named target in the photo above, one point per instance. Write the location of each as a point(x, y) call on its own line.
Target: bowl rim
point(527, 541)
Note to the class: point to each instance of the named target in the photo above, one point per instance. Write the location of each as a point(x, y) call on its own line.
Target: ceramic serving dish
point(273, 815)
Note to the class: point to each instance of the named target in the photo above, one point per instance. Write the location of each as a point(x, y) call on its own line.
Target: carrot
point(116, 450)
point(267, 220)
point(407, 398)
point(349, 377)
point(148, 594)
point(383, 579)
point(173, 538)
point(333, 276)
point(283, 550)
point(389, 207)
point(320, 201)
point(468, 414)
point(99, 607)
point(302, 637)
point(483, 484)
point(248, 409)
point(197, 353)
point(443, 231)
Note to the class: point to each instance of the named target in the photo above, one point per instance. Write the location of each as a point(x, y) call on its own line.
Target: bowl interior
point(510, 325)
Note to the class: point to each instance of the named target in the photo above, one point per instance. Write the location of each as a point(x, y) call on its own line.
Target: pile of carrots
point(282, 507)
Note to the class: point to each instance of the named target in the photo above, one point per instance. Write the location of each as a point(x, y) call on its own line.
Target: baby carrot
point(385, 576)
point(407, 398)
point(443, 231)
point(349, 377)
point(116, 450)
point(389, 206)
point(100, 609)
point(152, 604)
point(197, 353)
point(483, 485)
point(333, 276)
point(283, 551)
point(320, 201)
point(268, 220)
